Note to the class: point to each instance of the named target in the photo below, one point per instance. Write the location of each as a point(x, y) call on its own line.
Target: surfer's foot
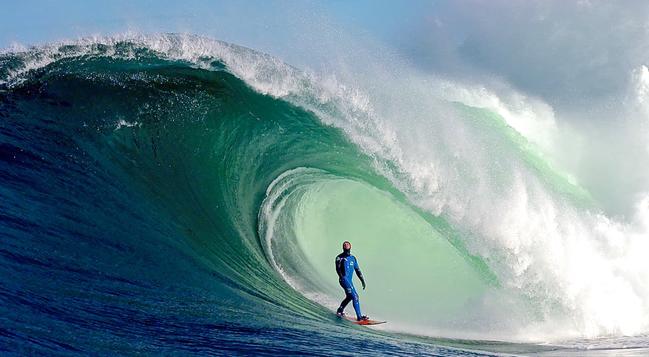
point(363, 318)
point(340, 314)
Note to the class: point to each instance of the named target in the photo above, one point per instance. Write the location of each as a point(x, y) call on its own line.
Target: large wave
point(257, 171)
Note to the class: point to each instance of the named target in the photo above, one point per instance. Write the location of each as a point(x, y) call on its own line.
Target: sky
point(302, 33)
point(29, 22)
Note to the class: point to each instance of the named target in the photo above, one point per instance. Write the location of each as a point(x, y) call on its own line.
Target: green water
point(414, 273)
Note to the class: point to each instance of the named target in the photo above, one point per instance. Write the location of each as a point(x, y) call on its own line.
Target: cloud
point(562, 51)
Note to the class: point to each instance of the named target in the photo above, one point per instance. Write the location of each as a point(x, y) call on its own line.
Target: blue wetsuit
point(346, 264)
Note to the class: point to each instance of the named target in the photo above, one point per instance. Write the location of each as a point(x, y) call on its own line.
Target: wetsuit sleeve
point(358, 272)
point(340, 266)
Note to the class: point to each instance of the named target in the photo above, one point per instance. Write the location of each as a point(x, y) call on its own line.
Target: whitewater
point(201, 189)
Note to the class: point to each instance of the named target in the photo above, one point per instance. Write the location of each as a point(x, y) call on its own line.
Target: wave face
point(174, 192)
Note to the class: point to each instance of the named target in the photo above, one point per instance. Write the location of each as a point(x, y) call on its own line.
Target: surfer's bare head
point(347, 246)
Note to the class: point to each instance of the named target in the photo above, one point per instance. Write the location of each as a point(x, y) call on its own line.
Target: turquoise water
point(158, 201)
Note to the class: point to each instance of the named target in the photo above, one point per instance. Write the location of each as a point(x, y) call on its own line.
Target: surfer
point(346, 264)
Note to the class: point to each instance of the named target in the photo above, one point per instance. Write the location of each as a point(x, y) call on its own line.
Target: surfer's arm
point(359, 273)
point(340, 267)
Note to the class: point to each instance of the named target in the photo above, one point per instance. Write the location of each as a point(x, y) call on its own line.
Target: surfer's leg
point(348, 297)
point(356, 302)
point(343, 304)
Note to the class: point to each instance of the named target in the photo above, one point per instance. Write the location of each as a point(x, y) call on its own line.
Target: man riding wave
point(346, 264)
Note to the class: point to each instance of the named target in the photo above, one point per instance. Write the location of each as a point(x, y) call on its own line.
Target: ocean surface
point(174, 194)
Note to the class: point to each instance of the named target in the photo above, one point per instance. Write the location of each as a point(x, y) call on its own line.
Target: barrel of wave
point(416, 279)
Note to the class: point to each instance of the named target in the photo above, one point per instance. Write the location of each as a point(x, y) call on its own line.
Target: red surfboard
point(364, 322)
